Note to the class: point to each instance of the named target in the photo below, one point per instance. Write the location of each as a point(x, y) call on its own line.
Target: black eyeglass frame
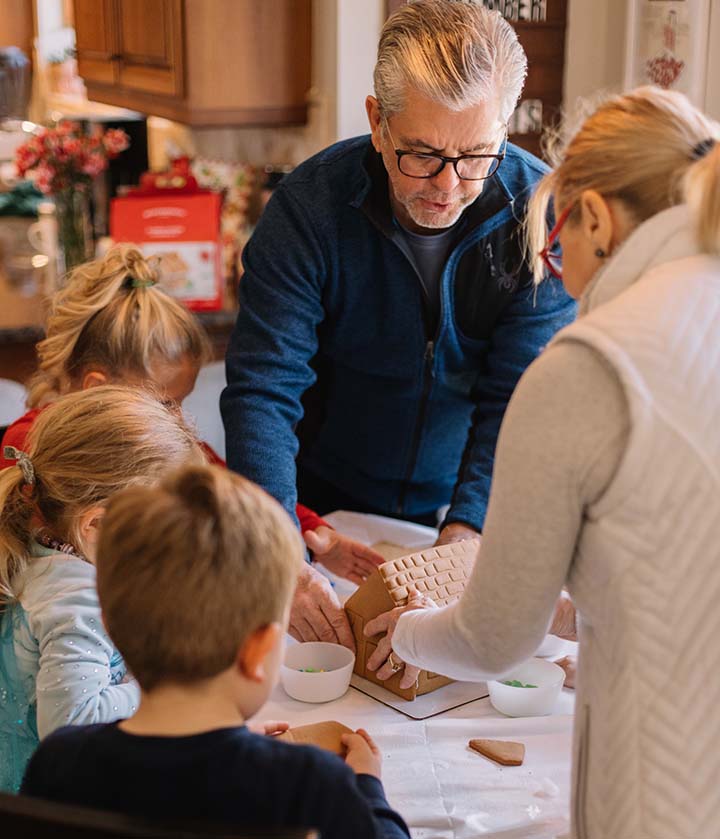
point(443, 160)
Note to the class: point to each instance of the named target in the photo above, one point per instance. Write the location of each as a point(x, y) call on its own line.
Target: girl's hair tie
point(23, 461)
point(702, 148)
point(136, 283)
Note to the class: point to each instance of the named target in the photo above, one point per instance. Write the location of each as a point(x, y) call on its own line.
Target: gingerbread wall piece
point(325, 735)
point(440, 573)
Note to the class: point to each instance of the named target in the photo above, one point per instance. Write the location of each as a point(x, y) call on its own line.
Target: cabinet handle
point(116, 56)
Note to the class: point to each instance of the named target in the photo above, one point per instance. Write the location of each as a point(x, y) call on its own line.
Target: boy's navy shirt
point(230, 776)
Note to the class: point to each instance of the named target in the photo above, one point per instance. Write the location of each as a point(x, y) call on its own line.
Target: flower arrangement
point(64, 158)
point(63, 162)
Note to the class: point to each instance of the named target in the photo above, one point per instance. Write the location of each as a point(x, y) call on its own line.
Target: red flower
point(115, 141)
point(94, 164)
point(64, 158)
point(44, 177)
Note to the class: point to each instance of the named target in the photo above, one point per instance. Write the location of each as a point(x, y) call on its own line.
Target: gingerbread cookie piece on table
point(504, 752)
point(440, 573)
point(325, 735)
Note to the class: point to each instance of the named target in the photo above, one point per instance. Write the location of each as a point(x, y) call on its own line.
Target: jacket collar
point(372, 196)
point(665, 237)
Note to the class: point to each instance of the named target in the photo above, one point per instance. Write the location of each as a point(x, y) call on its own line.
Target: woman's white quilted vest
point(646, 573)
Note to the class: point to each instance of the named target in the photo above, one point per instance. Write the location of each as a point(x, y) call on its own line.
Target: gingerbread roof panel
point(440, 572)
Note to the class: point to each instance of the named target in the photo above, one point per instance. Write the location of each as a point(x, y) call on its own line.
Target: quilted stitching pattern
point(441, 573)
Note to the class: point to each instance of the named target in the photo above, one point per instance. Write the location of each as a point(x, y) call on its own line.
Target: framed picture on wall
point(667, 45)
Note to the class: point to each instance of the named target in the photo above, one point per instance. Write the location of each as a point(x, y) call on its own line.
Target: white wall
point(594, 48)
point(358, 31)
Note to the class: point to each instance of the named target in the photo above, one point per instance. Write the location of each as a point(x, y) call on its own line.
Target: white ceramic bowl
point(528, 702)
point(551, 646)
point(336, 661)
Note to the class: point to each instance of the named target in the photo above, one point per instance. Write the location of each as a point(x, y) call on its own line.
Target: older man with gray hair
point(386, 300)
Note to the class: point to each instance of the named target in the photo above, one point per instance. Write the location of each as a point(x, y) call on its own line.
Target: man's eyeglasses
point(468, 167)
point(551, 254)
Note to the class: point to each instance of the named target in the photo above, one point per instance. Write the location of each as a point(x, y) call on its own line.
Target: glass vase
point(73, 226)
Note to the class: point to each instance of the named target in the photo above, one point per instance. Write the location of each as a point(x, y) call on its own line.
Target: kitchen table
point(443, 789)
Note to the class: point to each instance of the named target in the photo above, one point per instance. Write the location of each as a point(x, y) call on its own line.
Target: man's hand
point(342, 555)
point(363, 756)
point(316, 613)
point(384, 662)
point(456, 532)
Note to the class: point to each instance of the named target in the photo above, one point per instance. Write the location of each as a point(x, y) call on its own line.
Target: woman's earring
point(600, 253)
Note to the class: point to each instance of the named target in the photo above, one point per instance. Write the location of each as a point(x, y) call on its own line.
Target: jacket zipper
point(583, 754)
point(428, 376)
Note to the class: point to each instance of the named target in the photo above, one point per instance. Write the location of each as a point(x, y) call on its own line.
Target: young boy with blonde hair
point(195, 580)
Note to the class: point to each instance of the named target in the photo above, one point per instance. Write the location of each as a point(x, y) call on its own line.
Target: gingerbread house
point(440, 573)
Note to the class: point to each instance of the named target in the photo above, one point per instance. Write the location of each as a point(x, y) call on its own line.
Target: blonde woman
point(607, 477)
point(57, 664)
point(112, 323)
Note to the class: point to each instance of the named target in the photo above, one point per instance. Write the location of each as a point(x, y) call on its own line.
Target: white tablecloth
point(442, 788)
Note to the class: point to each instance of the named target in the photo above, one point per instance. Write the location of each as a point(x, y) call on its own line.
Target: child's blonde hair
point(189, 569)
point(111, 315)
point(82, 449)
point(645, 148)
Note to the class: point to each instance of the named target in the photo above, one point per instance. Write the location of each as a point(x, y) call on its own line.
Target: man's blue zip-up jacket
point(330, 300)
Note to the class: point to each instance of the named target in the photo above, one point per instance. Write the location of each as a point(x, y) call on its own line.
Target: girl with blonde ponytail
point(112, 323)
point(607, 477)
point(57, 664)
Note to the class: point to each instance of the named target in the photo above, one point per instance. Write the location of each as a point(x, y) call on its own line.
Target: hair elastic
point(702, 148)
point(23, 461)
point(135, 283)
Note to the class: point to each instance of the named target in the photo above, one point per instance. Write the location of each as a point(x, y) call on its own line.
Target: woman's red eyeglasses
point(550, 254)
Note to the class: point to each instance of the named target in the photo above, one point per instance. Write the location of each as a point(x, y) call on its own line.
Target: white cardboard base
point(430, 704)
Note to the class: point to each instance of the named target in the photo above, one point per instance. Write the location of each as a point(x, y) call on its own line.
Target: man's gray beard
point(434, 221)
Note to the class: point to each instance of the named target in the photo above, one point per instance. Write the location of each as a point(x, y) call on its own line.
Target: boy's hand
point(269, 727)
point(363, 756)
point(341, 554)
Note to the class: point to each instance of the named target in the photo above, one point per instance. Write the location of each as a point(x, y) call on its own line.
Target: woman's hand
point(384, 662)
point(363, 756)
point(342, 555)
point(269, 727)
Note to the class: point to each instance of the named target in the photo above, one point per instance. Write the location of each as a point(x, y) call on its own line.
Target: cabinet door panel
point(150, 43)
point(95, 40)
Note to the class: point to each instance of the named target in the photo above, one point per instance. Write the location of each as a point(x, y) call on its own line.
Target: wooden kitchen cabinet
point(95, 40)
point(201, 62)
